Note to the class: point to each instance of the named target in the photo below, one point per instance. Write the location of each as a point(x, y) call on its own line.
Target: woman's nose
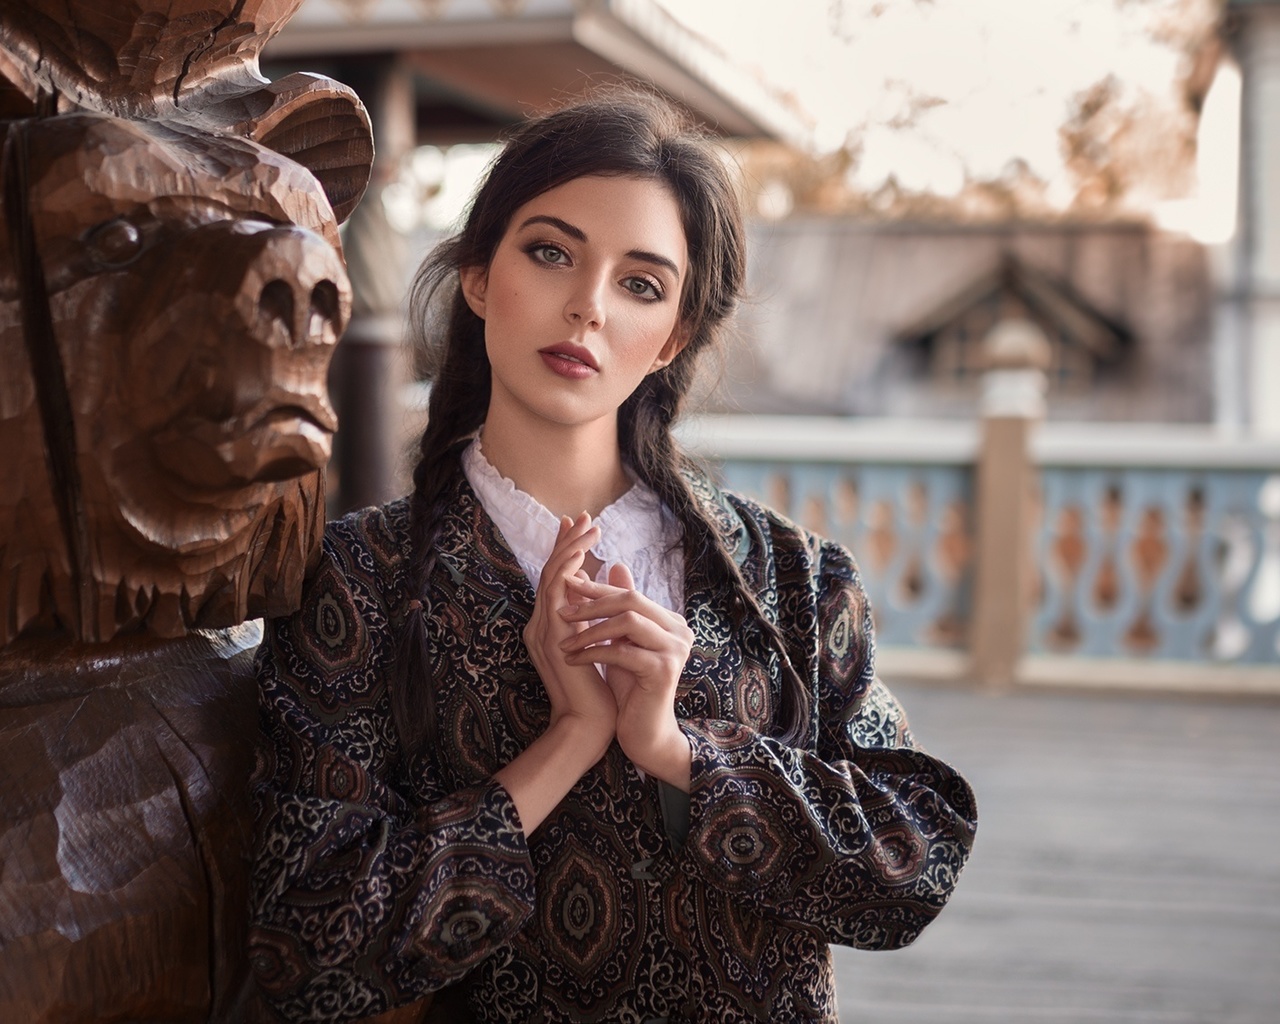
point(586, 305)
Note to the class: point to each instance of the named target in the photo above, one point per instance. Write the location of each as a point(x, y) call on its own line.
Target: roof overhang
point(1048, 299)
point(514, 57)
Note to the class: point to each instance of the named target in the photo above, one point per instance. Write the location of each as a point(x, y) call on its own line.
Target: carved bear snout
point(240, 367)
point(304, 297)
point(304, 317)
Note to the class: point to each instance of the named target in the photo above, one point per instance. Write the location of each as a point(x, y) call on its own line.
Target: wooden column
point(370, 369)
point(1012, 403)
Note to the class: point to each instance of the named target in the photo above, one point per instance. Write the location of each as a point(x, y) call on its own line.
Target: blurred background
point(1013, 336)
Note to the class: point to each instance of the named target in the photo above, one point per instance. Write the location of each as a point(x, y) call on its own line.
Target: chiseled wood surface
point(171, 291)
point(125, 829)
point(1127, 868)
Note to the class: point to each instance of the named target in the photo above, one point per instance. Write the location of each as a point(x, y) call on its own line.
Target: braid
point(795, 710)
point(647, 444)
point(459, 398)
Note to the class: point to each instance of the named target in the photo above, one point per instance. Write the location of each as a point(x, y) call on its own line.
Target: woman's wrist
point(581, 738)
point(540, 777)
point(669, 758)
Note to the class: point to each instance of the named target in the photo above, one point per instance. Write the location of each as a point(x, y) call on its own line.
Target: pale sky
point(1003, 69)
point(998, 75)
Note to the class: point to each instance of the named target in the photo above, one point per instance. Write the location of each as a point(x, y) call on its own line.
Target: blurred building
point(887, 318)
point(476, 65)
point(884, 316)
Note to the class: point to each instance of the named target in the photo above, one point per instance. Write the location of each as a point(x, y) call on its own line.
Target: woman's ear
point(673, 347)
point(475, 283)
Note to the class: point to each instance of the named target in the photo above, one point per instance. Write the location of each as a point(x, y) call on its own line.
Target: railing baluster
point(1161, 557)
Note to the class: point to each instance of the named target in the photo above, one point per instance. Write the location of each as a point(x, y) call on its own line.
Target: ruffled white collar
point(636, 530)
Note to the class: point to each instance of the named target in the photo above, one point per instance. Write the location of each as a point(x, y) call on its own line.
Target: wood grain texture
point(141, 58)
point(171, 291)
point(187, 62)
point(124, 828)
point(172, 415)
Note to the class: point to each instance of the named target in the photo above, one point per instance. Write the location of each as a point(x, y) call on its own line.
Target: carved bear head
point(171, 290)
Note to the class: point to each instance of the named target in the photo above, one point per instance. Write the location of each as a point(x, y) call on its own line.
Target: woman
point(568, 726)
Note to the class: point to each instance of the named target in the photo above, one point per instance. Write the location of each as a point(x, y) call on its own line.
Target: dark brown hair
point(629, 134)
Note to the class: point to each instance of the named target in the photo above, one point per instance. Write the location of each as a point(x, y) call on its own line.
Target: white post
point(1256, 41)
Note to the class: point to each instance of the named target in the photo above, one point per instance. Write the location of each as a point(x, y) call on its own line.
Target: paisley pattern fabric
point(378, 881)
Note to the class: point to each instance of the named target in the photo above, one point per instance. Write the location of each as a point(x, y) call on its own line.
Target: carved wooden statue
point(171, 289)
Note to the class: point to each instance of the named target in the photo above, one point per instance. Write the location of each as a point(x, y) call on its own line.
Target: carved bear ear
point(316, 121)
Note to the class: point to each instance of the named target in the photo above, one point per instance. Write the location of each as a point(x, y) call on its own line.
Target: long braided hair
point(628, 134)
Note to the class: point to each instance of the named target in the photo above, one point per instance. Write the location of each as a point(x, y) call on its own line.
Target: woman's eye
point(549, 254)
point(644, 288)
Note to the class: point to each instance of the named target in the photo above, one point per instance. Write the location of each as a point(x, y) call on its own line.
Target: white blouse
point(637, 530)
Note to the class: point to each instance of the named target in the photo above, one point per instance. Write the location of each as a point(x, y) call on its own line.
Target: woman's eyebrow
point(656, 260)
point(578, 234)
point(569, 229)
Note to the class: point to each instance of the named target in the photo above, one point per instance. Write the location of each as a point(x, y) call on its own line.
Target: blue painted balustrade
point(1151, 545)
point(1160, 563)
point(908, 526)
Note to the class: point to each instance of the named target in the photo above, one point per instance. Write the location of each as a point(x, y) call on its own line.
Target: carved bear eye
point(115, 242)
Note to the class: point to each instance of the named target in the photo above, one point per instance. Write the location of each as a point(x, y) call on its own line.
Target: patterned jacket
point(378, 881)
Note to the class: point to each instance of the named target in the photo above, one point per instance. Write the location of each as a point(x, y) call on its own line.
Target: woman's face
point(581, 300)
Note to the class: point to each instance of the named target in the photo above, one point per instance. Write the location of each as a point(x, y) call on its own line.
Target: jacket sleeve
point(859, 835)
point(363, 900)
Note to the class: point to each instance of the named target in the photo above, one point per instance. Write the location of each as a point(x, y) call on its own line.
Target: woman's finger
point(620, 580)
point(590, 588)
point(618, 604)
point(565, 524)
point(602, 595)
point(571, 534)
point(643, 664)
point(620, 576)
point(570, 537)
point(629, 627)
point(570, 552)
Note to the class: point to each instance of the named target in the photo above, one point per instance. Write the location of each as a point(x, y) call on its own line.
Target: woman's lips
point(566, 365)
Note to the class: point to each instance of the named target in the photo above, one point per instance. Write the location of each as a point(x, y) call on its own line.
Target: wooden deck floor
point(1127, 867)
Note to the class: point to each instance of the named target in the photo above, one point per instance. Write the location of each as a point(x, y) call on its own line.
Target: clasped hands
point(642, 646)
